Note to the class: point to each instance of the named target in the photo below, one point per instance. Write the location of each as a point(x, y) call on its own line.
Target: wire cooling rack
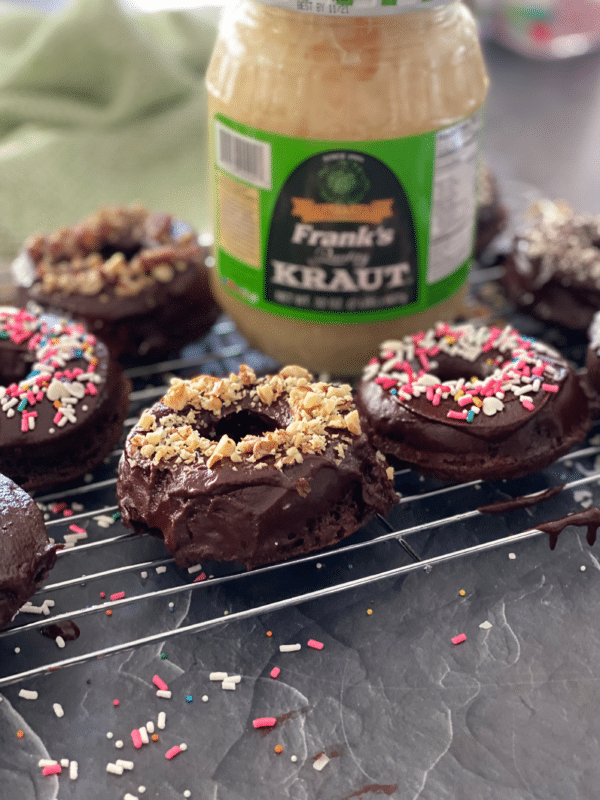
point(112, 591)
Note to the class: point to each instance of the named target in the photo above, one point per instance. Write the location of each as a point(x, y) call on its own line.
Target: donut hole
point(14, 365)
point(451, 369)
point(244, 423)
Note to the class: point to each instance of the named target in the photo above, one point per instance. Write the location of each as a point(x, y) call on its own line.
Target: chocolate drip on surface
point(67, 629)
point(524, 501)
point(589, 518)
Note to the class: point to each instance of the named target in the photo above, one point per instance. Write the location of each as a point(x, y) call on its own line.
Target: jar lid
point(355, 8)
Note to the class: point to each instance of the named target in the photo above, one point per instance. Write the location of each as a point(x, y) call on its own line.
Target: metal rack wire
point(424, 529)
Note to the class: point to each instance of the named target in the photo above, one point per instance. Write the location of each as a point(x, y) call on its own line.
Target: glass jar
point(343, 141)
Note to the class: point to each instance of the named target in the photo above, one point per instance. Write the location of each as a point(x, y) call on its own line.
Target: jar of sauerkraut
point(343, 138)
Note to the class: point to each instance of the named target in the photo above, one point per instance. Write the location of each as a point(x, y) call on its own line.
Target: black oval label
point(342, 237)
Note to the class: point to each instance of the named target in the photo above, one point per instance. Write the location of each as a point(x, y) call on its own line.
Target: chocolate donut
point(553, 268)
point(491, 215)
point(251, 470)
point(63, 399)
point(136, 279)
point(463, 402)
point(26, 554)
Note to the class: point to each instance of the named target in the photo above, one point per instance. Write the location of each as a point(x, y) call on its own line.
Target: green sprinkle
point(470, 416)
point(163, 656)
point(22, 405)
point(116, 515)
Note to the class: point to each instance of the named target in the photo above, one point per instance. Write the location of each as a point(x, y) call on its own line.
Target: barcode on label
point(243, 157)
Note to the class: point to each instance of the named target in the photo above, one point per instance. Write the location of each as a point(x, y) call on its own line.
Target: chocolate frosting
point(253, 513)
point(511, 443)
point(26, 554)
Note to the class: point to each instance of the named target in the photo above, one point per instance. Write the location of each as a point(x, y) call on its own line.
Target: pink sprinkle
point(160, 684)
point(174, 751)
point(57, 417)
point(316, 645)
point(90, 389)
point(275, 672)
point(538, 371)
point(201, 577)
point(459, 639)
point(550, 387)
point(436, 399)
point(52, 769)
point(457, 415)
point(117, 596)
point(76, 529)
point(528, 405)
point(136, 738)
point(373, 361)
point(386, 383)
point(68, 512)
point(102, 595)
point(465, 400)
point(264, 722)
point(429, 393)
point(115, 702)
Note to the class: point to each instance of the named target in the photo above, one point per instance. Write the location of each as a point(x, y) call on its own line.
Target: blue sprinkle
point(188, 698)
point(470, 416)
point(22, 405)
point(393, 391)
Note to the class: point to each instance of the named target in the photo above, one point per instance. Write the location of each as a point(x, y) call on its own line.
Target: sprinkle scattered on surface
point(462, 593)
point(28, 694)
point(321, 762)
point(264, 722)
point(462, 637)
point(172, 752)
point(20, 734)
point(369, 612)
point(289, 648)
point(159, 683)
point(582, 568)
point(315, 644)
point(217, 676)
point(162, 720)
point(52, 769)
point(486, 625)
point(275, 672)
point(512, 556)
point(164, 693)
point(278, 749)
point(136, 738)
point(58, 710)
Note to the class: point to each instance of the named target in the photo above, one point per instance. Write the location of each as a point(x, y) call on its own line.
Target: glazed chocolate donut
point(463, 403)
point(136, 279)
point(26, 554)
point(251, 470)
point(491, 215)
point(553, 269)
point(63, 399)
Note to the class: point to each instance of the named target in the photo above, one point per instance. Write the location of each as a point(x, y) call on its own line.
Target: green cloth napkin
point(100, 107)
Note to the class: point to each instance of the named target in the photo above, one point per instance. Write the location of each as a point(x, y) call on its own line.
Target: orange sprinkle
point(57, 404)
point(269, 633)
point(278, 749)
point(369, 611)
point(108, 612)
point(155, 737)
point(20, 734)
point(462, 593)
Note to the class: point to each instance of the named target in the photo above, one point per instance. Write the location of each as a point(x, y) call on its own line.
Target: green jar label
point(343, 231)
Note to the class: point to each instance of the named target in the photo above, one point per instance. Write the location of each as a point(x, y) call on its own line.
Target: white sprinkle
point(294, 758)
point(218, 676)
point(141, 789)
point(160, 570)
point(114, 769)
point(289, 648)
point(150, 726)
point(129, 796)
point(229, 685)
point(73, 770)
point(28, 694)
point(28, 608)
point(183, 746)
point(60, 641)
point(144, 735)
point(318, 565)
point(582, 568)
point(17, 650)
point(125, 764)
point(144, 574)
point(194, 568)
point(486, 625)
point(119, 744)
point(58, 710)
point(164, 693)
point(64, 762)
point(234, 678)
point(512, 556)
point(109, 734)
point(47, 762)
point(321, 762)
point(162, 719)
point(187, 793)
point(205, 698)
